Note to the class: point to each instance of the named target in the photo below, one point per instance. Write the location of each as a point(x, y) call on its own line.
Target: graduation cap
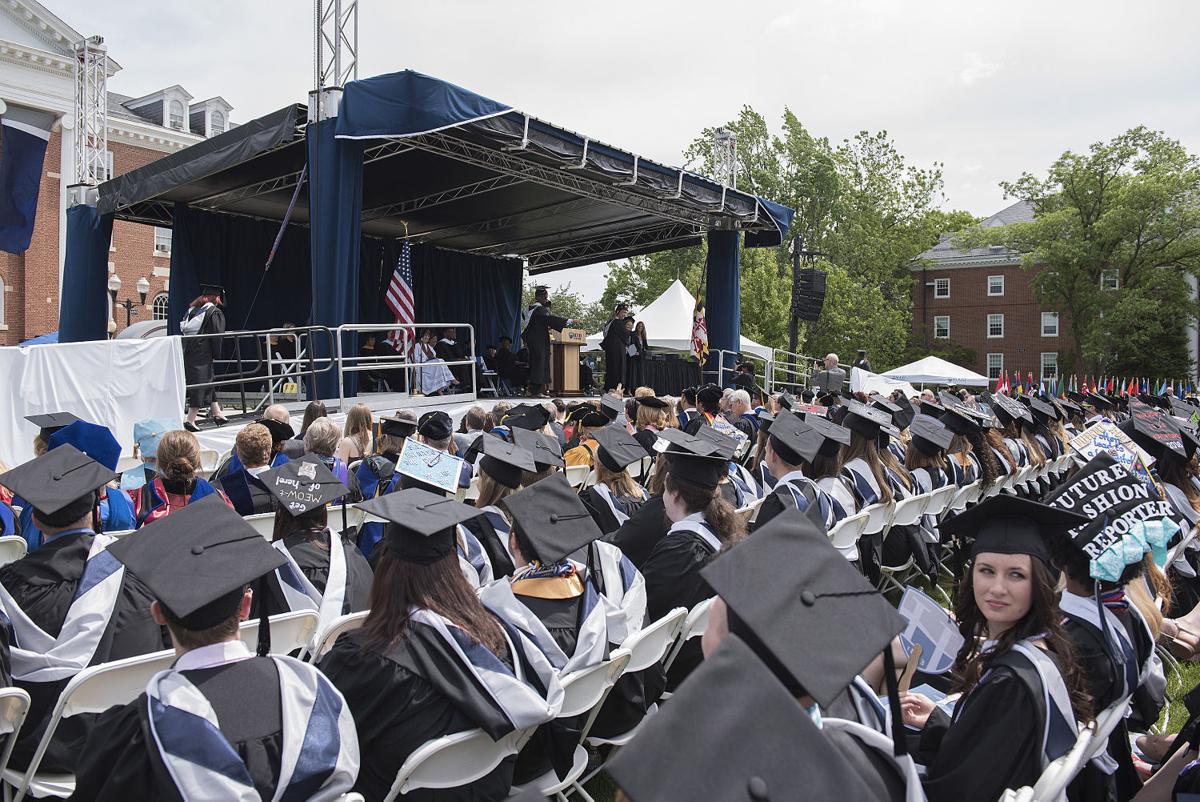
point(51, 422)
point(92, 439)
point(931, 408)
point(1068, 405)
point(812, 611)
point(435, 425)
point(786, 400)
point(694, 460)
point(794, 440)
point(1079, 398)
point(60, 485)
point(1154, 431)
point(302, 485)
point(611, 407)
point(960, 419)
point(546, 450)
point(947, 398)
point(733, 707)
point(398, 426)
point(617, 448)
point(865, 420)
point(1011, 525)
point(594, 420)
point(507, 463)
point(1045, 411)
point(212, 289)
point(551, 520)
point(197, 561)
point(421, 525)
point(884, 404)
point(832, 432)
point(726, 446)
point(147, 433)
point(527, 416)
point(1009, 409)
point(765, 419)
point(709, 394)
point(652, 401)
point(1099, 401)
point(279, 430)
point(930, 435)
point(904, 417)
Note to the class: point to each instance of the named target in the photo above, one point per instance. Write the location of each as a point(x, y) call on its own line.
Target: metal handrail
point(795, 367)
point(352, 363)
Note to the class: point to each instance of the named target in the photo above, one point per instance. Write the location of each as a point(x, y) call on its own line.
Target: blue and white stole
point(697, 524)
point(766, 482)
point(794, 483)
point(624, 596)
point(862, 482)
point(301, 594)
point(881, 743)
point(40, 657)
point(472, 559)
point(1005, 470)
point(508, 689)
point(606, 496)
point(319, 756)
point(743, 480)
point(833, 485)
point(502, 527)
point(1017, 449)
point(897, 451)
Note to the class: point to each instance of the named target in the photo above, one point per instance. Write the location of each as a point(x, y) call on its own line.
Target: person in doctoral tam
point(792, 443)
point(324, 572)
point(615, 496)
point(431, 658)
point(221, 722)
point(69, 603)
point(1022, 692)
point(537, 339)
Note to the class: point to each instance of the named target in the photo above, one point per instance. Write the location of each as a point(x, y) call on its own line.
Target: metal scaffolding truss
point(440, 198)
point(508, 221)
point(625, 243)
point(91, 111)
point(335, 41)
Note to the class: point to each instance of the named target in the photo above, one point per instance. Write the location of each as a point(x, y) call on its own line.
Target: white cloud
point(977, 68)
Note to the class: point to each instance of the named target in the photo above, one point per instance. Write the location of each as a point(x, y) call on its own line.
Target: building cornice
point(149, 136)
point(42, 60)
point(1006, 260)
point(57, 34)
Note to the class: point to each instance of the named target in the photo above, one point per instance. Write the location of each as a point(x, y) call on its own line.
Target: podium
point(564, 361)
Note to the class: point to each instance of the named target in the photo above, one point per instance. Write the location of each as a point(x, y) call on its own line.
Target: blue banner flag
point(24, 134)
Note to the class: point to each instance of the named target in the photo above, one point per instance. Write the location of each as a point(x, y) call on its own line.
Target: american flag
point(399, 293)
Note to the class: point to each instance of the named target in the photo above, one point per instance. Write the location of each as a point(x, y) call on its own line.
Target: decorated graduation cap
point(50, 422)
point(961, 419)
point(726, 446)
point(1043, 411)
point(550, 520)
point(546, 450)
point(733, 707)
point(1154, 431)
point(507, 463)
point(92, 439)
point(279, 430)
point(865, 420)
point(652, 401)
point(302, 485)
point(60, 485)
point(399, 426)
point(421, 525)
point(527, 416)
point(617, 448)
point(435, 425)
point(1011, 525)
point(1009, 409)
point(693, 460)
point(794, 440)
point(147, 434)
point(611, 407)
point(930, 435)
point(197, 562)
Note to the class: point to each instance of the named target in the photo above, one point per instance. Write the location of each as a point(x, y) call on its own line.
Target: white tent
point(668, 322)
point(867, 382)
point(932, 370)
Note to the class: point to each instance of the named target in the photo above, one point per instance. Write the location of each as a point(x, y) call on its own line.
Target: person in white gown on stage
point(436, 377)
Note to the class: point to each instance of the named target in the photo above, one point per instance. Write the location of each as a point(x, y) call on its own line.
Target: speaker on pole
point(808, 294)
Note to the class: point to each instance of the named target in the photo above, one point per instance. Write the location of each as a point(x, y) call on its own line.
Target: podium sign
point(564, 361)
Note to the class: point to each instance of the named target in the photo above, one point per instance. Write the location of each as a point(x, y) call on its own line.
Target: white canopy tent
point(668, 320)
point(933, 370)
point(868, 382)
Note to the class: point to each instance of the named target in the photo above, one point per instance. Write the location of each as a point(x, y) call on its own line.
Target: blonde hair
point(358, 426)
point(253, 445)
point(619, 482)
point(642, 392)
point(652, 416)
point(491, 492)
point(179, 455)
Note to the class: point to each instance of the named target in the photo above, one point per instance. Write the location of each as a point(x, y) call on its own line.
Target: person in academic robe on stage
point(221, 722)
point(513, 375)
point(324, 572)
point(69, 605)
point(792, 443)
point(434, 378)
point(614, 342)
point(178, 483)
point(146, 434)
point(448, 349)
point(702, 525)
point(204, 316)
point(1022, 690)
point(537, 339)
point(615, 496)
point(321, 441)
point(432, 659)
point(635, 353)
point(243, 487)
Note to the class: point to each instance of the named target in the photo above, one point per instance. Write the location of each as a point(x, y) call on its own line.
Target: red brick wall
point(969, 306)
point(133, 243)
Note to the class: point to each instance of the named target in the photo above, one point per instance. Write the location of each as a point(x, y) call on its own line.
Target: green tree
point(1116, 233)
point(587, 316)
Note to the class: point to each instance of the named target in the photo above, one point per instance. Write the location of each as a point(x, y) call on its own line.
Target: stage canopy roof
point(456, 170)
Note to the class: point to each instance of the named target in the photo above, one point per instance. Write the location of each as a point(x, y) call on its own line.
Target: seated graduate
point(221, 723)
point(431, 659)
point(737, 493)
point(969, 423)
point(436, 430)
point(615, 496)
point(964, 463)
point(637, 537)
point(816, 622)
point(702, 525)
point(868, 476)
point(1010, 413)
point(278, 422)
point(71, 605)
point(653, 415)
point(115, 508)
point(324, 572)
point(377, 475)
point(178, 483)
point(146, 434)
point(757, 468)
point(242, 485)
point(1022, 691)
point(584, 453)
point(547, 454)
point(708, 408)
point(502, 467)
point(826, 468)
point(792, 443)
point(901, 411)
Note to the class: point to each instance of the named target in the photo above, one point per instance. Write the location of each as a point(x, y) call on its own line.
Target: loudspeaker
point(808, 294)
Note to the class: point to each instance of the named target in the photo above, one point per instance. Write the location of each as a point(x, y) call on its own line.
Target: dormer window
point(176, 115)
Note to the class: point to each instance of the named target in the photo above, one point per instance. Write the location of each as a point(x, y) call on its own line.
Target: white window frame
point(999, 368)
point(108, 164)
point(990, 279)
point(937, 287)
point(154, 312)
point(1042, 363)
point(1112, 273)
point(213, 129)
point(158, 249)
point(181, 124)
point(1054, 316)
point(937, 320)
point(991, 318)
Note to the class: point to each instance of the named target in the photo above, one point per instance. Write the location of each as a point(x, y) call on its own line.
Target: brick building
point(982, 299)
point(37, 72)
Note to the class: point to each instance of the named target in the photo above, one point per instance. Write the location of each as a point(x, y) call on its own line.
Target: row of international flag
point(1108, 385)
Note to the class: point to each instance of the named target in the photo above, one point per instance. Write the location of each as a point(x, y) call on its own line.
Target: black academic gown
point(614, 342)
point(198, 356)
point(537, 340)
point(878, 773)
point(396, 711)
point(672, 574)
point(781, 499)
point(121, 763)
point(602, 514)
point(638, 536)
point(311, 553)
point(248, 495)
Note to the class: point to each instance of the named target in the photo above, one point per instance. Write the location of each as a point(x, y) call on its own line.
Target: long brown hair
point(1043, 618)
point(619, 482)
point(916, 458)
point(439, 587)
point(989, 468)
point(1032, 447)
point(719, 513)
point(311, 523)
point(178, 456)
point(993, 438)
point(867, 448)
point(491, 492)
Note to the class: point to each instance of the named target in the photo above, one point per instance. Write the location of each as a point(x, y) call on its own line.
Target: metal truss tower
point(91, 111)
point(724, 156)
point(335, 48)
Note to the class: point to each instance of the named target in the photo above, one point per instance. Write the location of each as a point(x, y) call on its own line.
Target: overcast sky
point(989, 89)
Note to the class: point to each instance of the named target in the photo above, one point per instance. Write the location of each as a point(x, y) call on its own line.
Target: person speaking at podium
point(539, 322)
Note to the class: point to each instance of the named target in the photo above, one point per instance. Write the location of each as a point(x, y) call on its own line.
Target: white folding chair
point(209, 460)
point(879, 516)
point(846, 532)
point(909, 510)
point(453, 761)
point(1106, 722)
point(940, 499)
point(328, 636)
point(693, 627)
point(92, 690)
point(290, 632)
point(590, 479)
point(584, 691)
point(750, 511)
point(350, 797)
point(577, 474)
point(120, 533)
point(263, 523)
point(472, 491)
point(14, 704)
point(1059, 773)
point(12, 548)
